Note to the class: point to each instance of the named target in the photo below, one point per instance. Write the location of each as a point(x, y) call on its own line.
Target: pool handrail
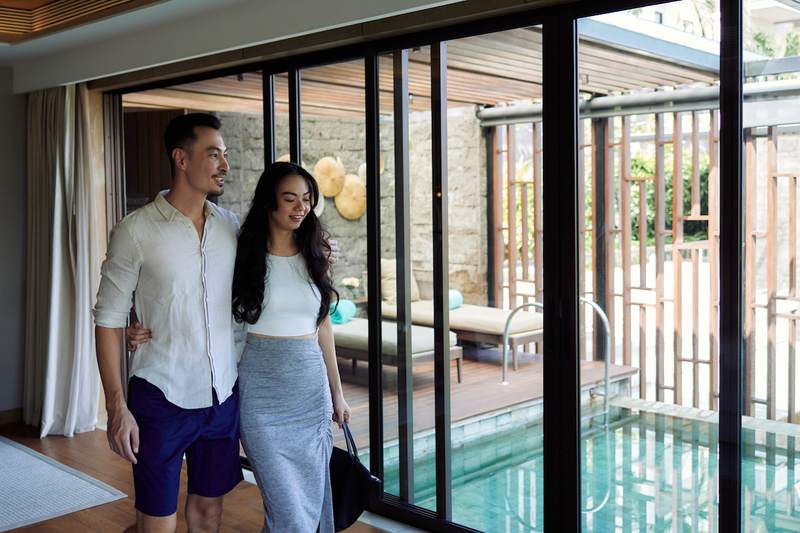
point(603, 318)
point(606, 326)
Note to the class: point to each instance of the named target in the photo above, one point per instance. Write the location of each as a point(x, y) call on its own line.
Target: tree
point(762, 43)
point(792, 44)
point(693, 230)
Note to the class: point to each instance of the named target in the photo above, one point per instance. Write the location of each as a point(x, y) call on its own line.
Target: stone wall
point(467, 209)
point(345, 138)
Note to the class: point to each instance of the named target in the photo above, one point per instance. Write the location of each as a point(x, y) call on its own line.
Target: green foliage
point(693, 230)
point(763, 44)
point(792, 44)
point(640, 166)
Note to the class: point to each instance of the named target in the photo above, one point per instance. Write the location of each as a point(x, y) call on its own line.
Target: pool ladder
point(606, 327)
point(604, 319)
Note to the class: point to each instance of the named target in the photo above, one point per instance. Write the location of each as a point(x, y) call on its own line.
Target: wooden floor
point(479, 392)
point(90, 454)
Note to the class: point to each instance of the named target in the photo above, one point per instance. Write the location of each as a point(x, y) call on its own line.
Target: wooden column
point(581, 239)
point(497, 216)
point(660, 233)
point(677, 258)
point(695, 259)
point(538, 210)
point(625, 227)
point(772, 266)
point(750, 221)
point(599, 223)
point(792, 408)
point(511, 215)
point(642, 183)
point(713, 256)
point(610, 231)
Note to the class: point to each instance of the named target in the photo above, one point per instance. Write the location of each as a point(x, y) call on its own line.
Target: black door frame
point(561, 405)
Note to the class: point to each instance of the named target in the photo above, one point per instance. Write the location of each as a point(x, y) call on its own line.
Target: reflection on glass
point(236, 100)
point(663, 477)
point(771, 302)
point(421, 257)
point(648, 172)
point(332, 147)
point(495, 266)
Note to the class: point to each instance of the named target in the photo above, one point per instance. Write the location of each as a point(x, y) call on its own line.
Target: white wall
point(165, 33)
point(12, 243)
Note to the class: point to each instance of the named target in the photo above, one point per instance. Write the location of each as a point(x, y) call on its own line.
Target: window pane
point(771, 171)
point(332, 141)
point(648, 171)
point(495, 261)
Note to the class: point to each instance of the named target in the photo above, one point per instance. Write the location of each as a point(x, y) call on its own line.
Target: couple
point(198, 282)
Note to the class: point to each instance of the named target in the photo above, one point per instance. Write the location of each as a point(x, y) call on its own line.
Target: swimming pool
point(663, 477)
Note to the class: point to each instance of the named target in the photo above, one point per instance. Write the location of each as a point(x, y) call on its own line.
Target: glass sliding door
point(770, 304)
point(438, 178)
point(332, 147)
point(495, 269)
point(649, 230)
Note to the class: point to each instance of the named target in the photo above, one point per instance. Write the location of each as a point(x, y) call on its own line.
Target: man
point(176, 254)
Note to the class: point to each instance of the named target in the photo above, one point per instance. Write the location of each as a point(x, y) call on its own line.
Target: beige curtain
point(61, 378)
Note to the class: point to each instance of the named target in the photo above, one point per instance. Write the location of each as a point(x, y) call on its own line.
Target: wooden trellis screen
point(770, 228)
point(634, 273)
point(662, 286)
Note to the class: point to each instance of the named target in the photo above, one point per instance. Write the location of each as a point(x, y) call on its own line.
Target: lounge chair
point(478, 323)
point(351, 341)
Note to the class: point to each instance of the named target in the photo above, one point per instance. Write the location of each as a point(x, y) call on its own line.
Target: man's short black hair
point(180, 132)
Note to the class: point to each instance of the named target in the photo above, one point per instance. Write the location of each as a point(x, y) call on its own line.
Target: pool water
point(647, 472)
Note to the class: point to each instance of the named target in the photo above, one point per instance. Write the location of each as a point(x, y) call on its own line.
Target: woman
point(288, 377)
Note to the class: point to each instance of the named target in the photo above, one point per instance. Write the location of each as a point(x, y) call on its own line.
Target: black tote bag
point(352, 484)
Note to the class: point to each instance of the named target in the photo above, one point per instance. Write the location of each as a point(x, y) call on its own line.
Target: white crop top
point(291, 300)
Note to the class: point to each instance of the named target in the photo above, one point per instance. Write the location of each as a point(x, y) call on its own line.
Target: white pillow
point(389, 282)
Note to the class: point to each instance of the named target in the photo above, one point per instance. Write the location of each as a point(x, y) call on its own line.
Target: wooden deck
point(479, 392)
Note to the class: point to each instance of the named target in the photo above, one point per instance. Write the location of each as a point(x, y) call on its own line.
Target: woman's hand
point(341, 411)
point(136, 335)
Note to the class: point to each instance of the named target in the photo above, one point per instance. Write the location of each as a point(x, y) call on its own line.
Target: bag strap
point(351, 443)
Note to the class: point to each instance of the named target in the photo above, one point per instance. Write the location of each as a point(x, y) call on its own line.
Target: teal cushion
point(455, 299)
point(343, 312)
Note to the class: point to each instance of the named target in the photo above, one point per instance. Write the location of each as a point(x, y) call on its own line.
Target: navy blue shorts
point(209, 437)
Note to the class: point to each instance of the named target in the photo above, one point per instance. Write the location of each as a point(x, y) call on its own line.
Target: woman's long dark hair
point(250, 270)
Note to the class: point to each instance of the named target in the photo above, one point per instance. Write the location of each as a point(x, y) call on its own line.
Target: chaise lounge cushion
point(354, 336)
point(389, 282)
point(475, 318)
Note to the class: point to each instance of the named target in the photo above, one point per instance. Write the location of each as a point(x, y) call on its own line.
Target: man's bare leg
point(203, 515)
point(153, 524)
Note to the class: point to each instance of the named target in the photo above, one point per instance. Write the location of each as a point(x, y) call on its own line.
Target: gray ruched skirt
point(286, 431)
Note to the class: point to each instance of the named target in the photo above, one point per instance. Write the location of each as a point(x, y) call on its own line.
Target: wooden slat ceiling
point(25, 19)
point(492, 69)
point(25, 4)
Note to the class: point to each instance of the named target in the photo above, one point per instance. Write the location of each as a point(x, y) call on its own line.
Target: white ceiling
point(176, 30)
point(160, 13)
point(775, 11)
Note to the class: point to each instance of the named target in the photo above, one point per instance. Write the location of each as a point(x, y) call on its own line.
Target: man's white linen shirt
point(182, 288)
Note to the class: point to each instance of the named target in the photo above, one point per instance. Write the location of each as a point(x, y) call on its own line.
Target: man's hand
point(334, 251)
point(123, 433)
point(136, 335)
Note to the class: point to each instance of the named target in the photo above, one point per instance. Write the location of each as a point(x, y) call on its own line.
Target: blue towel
point(343, 312)
point(455, 299)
